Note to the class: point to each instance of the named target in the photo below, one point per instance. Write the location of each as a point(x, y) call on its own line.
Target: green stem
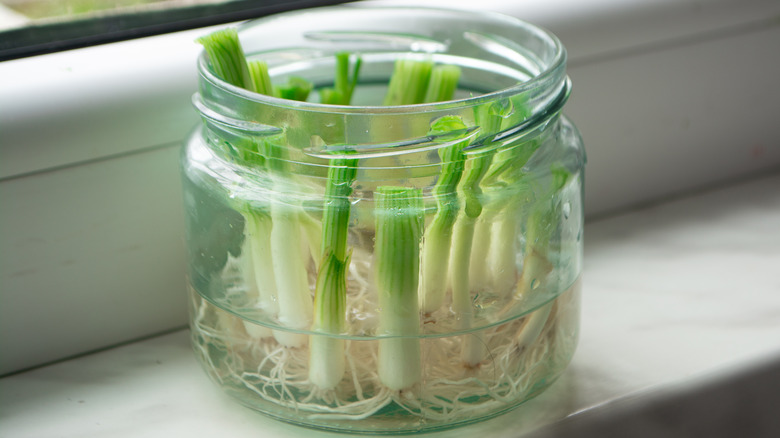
point(296, 88)
point(227, 57)
point(442, 84)
point(261, 81)
point(409, 82)
point(344, 83)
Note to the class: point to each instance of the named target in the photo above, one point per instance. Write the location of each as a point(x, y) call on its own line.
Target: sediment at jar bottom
point(522, 357)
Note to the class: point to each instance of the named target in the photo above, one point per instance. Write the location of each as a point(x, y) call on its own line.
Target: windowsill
point(681, 292)
point(669, 96)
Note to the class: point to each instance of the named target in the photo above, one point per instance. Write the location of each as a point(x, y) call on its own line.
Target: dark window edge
point(39, 40)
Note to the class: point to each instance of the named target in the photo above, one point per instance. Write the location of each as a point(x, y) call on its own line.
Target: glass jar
point(353, 269)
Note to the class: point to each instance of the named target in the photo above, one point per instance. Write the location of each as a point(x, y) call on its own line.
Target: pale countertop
point(678, 293)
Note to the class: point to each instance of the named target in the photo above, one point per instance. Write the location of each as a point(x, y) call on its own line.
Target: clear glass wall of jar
point(447, 303)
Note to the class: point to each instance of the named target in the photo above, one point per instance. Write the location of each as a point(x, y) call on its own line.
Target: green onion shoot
point(409, 82)
point(399, 224)
point(227, 57)
point(344, 83)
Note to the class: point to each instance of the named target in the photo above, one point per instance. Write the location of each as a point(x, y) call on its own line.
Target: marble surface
point(678, 293)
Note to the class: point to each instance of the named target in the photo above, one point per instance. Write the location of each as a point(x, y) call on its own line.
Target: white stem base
point(503, 252)
point(399, 365)
point(326, 361)
point(533, 326)
point(256, 331)
point(293, 294)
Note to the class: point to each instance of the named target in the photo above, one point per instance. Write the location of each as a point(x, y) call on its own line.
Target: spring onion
point(419, 81)
point(507, 172)
point(288, 274)
point(399, 223)
point(228, 62)
point(472, 351)
point(259, 266)
point(292, 285)
point(438, 234)
point(326, 354)
point(490, 118)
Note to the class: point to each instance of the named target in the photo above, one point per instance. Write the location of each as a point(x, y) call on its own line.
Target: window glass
point(32, 27)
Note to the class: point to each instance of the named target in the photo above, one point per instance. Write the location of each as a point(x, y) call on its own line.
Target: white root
point(517, 354)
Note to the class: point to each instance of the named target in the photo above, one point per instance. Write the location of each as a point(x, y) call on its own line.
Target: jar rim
point(547, 74)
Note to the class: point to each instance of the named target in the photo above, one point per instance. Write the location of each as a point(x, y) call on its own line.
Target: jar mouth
point(544, 70)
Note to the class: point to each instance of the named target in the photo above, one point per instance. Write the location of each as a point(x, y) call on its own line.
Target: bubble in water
point(534, 284)
point(566, 210)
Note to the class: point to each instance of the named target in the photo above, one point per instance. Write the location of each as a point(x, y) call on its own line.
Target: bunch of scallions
point(419, 271)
